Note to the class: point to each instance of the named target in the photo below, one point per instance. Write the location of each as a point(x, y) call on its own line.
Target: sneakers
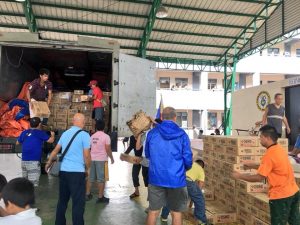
point(88, 197)
point(102, 200)
point(164, 220)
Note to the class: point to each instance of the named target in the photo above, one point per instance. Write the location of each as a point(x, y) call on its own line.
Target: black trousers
point(71, 185)
point(135, 175)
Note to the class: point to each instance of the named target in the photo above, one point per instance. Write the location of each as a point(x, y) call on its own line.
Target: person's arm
point(249, 178)
point(139, 144)
point(28, 95)
point(52, 138)
point(49, 97)
point(52, 156)
point(87, 158)
point(109, 153)
point(3, 212)
point(288, 129)
point(130, 146)
point(249, 166)
point(264, 119)
point(187, 153)
point(201, 184)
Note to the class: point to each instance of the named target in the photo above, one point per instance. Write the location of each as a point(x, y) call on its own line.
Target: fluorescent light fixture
point(162, 12)
point(20, 0)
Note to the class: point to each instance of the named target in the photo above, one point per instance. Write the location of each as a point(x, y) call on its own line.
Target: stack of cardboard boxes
point(65, 105)
point(235, 200)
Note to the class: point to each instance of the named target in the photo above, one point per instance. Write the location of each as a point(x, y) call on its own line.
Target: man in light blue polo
point(72, 172)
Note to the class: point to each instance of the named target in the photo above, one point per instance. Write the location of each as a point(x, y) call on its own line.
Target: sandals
point(134, 195)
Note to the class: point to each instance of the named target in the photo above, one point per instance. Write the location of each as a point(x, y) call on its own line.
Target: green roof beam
point(252, 24)
point(127, 27)
point(220, 12)
point(252, 1)
point(134, 15)
point(148, 28)
point(30, 18)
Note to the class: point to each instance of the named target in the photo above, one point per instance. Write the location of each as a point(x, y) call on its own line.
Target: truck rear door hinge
point(116, 60)
point(115, 105)
point(116, 83)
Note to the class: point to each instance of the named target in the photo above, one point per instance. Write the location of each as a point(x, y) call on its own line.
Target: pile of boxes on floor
point(229, 200)
point(65, 105)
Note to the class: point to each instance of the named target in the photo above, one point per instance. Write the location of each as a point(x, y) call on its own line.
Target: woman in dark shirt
point(136, 168)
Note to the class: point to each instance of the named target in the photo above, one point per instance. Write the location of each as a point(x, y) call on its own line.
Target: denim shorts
point(97, 171)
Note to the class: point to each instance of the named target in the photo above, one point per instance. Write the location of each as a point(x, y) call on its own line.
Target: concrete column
point(203, 81)
point(204, 121)
point(256, 79)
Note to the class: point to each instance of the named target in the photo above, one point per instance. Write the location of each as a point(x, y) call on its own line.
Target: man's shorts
point(31, 170)
point(97, 171)
point(175, 199)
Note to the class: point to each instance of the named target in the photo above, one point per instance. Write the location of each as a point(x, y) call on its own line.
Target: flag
point(160, 108)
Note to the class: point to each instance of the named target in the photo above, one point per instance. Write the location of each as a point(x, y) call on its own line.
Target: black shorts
point(175, 199)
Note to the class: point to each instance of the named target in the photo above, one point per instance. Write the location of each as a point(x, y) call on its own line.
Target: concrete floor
point(120, 210)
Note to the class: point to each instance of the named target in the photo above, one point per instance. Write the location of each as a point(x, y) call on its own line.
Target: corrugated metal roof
point(194, 29)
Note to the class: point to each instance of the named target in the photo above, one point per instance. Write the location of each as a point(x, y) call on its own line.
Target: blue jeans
point(196, 195)
point(71, 185)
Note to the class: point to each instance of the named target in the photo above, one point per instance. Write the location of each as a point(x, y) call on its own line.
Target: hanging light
point(162, 12)
point(20, 0)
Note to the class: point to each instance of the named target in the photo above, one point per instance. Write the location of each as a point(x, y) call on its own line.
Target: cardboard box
point(218, 214)
point(260, 201)
point(39, 109)
point(61, 111)
point(283, 141)
point(219, 148)
point(243, 141)
point(62, 116)
point(76, 98)
point(250, 187)
point(61, 125)
point(207, 146)
point(256, 221)
point(245, 150)
point(209, 195)
point(60, 120)
point(78, 92)
point(84, 98)
point(65, 95)
point(242, 159)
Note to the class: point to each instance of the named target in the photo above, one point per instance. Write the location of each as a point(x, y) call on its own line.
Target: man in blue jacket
point(168, 150)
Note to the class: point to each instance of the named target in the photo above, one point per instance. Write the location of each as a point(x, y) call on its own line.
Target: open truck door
point(136, 88)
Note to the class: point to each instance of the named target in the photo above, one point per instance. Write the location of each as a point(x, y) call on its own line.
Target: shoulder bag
point(55, 168)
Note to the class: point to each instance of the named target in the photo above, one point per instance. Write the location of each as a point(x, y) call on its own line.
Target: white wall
point(187, 99)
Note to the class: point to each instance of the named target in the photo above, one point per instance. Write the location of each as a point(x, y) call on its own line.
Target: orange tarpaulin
point(9, 127)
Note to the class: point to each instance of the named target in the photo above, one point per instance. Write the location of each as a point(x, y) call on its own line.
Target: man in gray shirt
point(275, 114)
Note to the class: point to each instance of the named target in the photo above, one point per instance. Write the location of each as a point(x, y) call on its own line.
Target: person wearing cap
point(40, 89)
point(32, 141)
point(97, 97)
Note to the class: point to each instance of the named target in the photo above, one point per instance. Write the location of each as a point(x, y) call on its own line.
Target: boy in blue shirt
point(32, 142)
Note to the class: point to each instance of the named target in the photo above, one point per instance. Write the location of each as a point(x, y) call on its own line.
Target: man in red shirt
point(97, 100)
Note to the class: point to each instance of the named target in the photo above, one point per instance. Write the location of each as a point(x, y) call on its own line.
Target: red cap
point(93, 82)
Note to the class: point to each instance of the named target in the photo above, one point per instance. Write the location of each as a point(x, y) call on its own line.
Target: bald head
point(169, 113)
point(79, 120)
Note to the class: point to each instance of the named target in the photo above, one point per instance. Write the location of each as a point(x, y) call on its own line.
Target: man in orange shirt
point(97, 100)
point(275, 167)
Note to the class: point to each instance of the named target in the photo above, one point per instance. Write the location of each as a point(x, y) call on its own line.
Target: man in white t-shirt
point(3, 182)
point(100, 151)
point(18, 209)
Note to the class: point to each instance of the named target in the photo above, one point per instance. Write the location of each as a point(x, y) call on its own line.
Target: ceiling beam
point(220, 12)
point(252, 1)
point(124, 26)
point(30, 18)
point(148, 28)
point(204, 23)
point(252, 24)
